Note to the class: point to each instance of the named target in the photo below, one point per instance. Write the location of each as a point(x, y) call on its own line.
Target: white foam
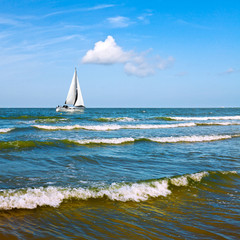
point(46, 120)
point(197, 177)
point(53, 196)
point(114, 127)
point(85, 127)
point(220, 123)
point(189, 139)
point(227, 172)
point(105, 141)
point(194, 138)
point(31, 198)
point(205, 118)
point(125, 119)
point(159, 126)
point(184, 180)
point(119, 119)
point(5, 130)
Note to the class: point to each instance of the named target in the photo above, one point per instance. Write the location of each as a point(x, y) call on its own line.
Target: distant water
point(120, 174)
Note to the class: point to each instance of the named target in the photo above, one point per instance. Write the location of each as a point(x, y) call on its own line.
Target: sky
point(163, 53)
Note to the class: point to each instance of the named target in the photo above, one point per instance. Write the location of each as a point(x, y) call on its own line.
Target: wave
point(118, 119)
point(18, 145)
point(40, 119)
point(113, 127)
point(218, 123)
point(24, 144)
point(103, 141)
point(203, 118)
point(191, 139)
point(5, 130)
point(31, 198)
point(29, 117)
point(164, 118)
point(187, 139)
point(50, 120)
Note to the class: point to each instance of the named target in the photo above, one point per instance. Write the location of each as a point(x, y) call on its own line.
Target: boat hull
point(69, 109)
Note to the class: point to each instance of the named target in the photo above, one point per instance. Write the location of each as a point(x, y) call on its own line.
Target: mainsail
point(79, 99)
point(74, 96)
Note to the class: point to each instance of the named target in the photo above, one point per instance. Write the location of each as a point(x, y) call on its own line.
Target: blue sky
point(127, 53)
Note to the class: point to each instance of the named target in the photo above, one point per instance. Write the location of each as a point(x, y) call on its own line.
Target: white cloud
point(119, 22)
point(9, 21)
point(102, 6)
point(192, 25)
point(107, 52)
point(165, 63)
point(144, 18)
point(53, 41)
point(229, 71)
point(139, 69)
point(94, 8)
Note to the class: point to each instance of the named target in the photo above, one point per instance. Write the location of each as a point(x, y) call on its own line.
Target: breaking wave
point(5, 130)
point(18, 145)
point(186, 139)
point(31, 198)
point(113, 127)
point(118, 119)
point(51, 120)
point(103, 141)
point(190, 139)
point(204, 118)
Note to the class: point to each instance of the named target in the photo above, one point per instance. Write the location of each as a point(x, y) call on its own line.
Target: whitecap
point(118, 119)
point(5, 130)
point(31, 198)
point(205, 118)
point(184, 180)
point(105, 141)
point(111, 127)
point(193, 138)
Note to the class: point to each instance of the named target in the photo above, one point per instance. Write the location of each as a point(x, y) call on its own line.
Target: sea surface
point(120, 173)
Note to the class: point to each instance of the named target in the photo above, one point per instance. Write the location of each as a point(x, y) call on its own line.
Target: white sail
point(74, 97)
point(79, 100)
point(71, 97)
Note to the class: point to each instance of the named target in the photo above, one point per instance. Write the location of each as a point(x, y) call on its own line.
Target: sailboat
point(74, 97)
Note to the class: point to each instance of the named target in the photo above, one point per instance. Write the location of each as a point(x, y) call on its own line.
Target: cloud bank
point(137, 64)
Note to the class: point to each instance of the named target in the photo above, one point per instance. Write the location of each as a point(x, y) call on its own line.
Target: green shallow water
point(120, 174)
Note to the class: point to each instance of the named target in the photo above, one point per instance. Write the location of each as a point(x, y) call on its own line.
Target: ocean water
point(120, 174)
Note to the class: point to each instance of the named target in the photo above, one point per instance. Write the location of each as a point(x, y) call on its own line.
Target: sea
point(120, 173)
